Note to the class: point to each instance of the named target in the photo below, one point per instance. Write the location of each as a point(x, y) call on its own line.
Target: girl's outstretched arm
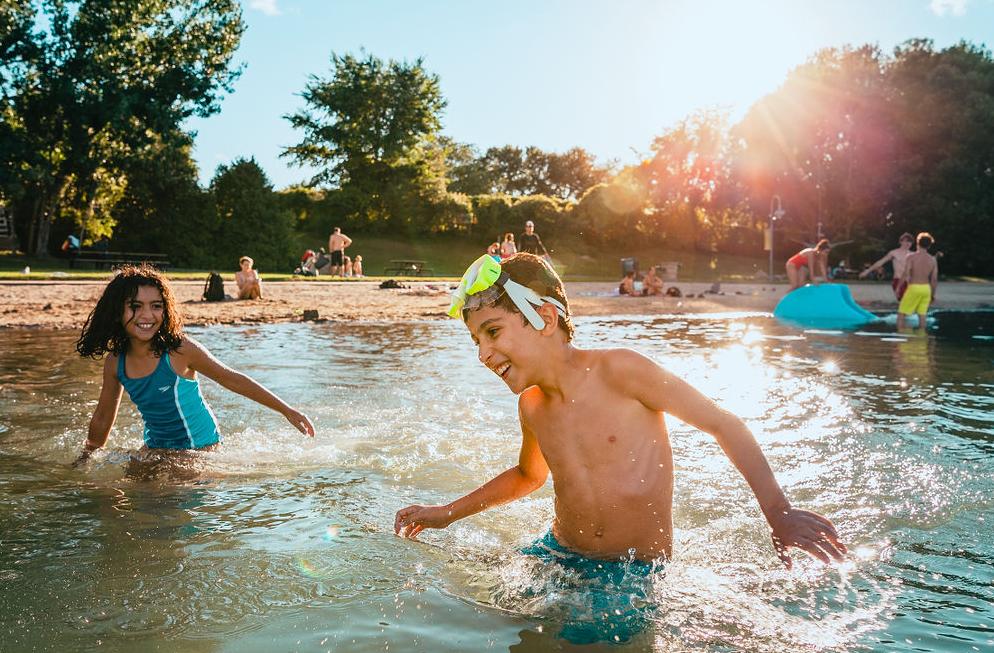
point(201, 360)
point(106, 412)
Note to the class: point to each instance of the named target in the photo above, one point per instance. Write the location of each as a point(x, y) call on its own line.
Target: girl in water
point(137, 324)
point(805, 264)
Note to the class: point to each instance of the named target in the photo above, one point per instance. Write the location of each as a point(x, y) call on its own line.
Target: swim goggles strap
point(484, 273)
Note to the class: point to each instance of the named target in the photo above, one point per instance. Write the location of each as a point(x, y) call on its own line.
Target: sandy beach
point(61, 304)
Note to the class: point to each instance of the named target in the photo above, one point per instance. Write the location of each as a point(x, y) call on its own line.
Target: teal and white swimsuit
point(175, 413)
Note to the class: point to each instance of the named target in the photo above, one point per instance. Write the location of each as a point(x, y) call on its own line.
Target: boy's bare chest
point(594, 432)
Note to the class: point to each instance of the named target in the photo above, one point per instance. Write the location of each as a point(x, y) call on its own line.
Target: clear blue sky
point(606, 75)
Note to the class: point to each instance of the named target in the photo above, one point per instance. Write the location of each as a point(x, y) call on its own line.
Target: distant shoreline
point(57, 304)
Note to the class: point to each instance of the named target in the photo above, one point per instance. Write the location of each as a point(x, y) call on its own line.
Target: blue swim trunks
point(602, 600)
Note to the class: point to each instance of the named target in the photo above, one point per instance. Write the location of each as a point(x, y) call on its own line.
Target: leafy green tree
point(611, 212)
point(943, 103)
point(492, 213)
point(571, 173)
point(92, 80)
point(824, 143)
point(546, 212)
point(506, 170)
point(533, 171)
point(250, 219)
point(464, 168)
point(368, 129)
point(163, 208)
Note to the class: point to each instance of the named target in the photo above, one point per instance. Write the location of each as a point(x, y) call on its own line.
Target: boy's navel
point(612, 438)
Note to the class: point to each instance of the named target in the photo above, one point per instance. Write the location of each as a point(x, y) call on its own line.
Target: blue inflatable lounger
point(825, 305)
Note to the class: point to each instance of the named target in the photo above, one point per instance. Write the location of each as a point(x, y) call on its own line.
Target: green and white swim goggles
point(482, 285)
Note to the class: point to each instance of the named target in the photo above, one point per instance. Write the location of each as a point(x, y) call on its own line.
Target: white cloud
point(269, 7)
point(943, 7)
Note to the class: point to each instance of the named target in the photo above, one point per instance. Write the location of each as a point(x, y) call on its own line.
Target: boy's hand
point(413, 519)
point(300, 422)
point(809, 532)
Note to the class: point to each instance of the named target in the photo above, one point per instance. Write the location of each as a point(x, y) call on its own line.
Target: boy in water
point(595, 419)
point(898, 257)
point(921, 275)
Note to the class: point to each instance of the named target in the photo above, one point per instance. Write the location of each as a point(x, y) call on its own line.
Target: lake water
point(284, 543)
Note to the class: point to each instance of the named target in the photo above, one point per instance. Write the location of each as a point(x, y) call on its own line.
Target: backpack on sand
point(214, 288)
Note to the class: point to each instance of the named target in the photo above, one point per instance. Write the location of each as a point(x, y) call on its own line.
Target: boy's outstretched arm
point(202, 361)
point(660, 390)
point(522, 479)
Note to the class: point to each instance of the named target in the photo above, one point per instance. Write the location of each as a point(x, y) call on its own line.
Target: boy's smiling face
point(507, 344)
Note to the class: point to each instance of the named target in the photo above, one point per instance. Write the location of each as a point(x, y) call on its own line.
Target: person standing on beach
point(921, 276)
point(337, 243)
point(898, 258)
point(530, 243)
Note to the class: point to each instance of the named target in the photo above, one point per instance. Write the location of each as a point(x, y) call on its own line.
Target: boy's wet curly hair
point(533, 272)
point(104, 332)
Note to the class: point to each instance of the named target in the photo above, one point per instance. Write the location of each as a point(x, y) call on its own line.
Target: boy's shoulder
point(623, 369)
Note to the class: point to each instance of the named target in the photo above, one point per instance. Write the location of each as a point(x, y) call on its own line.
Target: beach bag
point(214, 288)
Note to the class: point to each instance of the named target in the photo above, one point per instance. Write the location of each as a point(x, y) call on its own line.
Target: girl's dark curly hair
point(104, 333)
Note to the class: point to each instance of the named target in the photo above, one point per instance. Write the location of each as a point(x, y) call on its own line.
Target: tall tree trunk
point(29, 241)
point(42, 220)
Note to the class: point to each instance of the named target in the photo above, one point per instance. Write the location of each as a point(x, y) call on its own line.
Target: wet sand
point(66, 304)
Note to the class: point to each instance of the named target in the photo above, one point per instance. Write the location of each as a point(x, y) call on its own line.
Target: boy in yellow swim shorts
point(921, 273)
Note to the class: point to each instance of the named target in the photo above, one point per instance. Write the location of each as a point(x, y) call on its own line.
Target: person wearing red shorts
point(898, 258)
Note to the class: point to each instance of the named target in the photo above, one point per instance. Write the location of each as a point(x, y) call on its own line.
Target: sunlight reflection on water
point(284, 539)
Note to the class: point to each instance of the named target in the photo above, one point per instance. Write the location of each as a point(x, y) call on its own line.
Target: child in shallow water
point(136, 323)
point(595, 419)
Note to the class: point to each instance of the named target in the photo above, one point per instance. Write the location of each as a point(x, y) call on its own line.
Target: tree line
point(858, 144)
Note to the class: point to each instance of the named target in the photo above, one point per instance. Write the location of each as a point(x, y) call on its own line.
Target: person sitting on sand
point(594, 418)
point(921, 277)
point(308, 264)
point(807, 263)
point(248, 281)
point(627, 285)
point(898, 258)
point(652, 284)
point(136, 323)
point(357, 266)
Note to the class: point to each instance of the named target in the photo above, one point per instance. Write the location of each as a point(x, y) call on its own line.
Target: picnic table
point(101, 258)
point(407, 267)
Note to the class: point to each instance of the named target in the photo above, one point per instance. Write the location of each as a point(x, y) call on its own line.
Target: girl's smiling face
point(142, 316)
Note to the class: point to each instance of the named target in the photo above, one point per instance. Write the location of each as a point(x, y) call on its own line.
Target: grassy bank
point(448, 257)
